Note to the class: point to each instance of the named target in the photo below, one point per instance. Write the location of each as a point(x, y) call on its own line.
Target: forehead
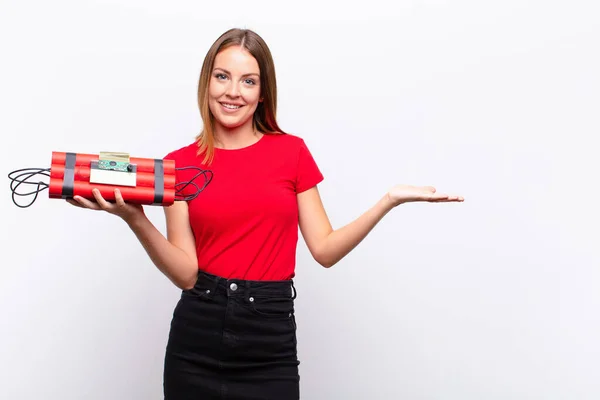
point(236, 60)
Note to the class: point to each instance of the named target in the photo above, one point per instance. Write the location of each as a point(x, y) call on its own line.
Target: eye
point(250, 82)
point(220, 76)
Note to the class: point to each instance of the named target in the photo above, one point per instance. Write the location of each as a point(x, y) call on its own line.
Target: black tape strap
point(69, 179)
point(159, 181)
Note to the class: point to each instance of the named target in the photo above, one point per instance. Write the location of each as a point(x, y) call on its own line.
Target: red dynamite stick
point(143, 164)
point(82, 174)
point(141, 195)
point(70, 176)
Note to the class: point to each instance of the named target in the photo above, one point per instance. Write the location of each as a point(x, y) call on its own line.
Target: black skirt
point(233, 339)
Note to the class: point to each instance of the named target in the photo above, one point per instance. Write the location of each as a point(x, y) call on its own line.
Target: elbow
point(325, 262)
point(324, 254)
point(188, 281)
point(189, 285)
point(321, 256)
point(183, 283)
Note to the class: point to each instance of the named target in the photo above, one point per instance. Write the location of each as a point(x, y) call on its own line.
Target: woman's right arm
point(174, 255)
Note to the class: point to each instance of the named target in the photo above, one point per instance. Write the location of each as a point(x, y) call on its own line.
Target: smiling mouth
point(231, 106)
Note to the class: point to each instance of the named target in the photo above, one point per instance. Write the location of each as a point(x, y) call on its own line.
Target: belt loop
point(247, 291)
point(294, 290)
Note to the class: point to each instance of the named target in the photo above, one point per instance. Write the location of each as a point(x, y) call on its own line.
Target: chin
point(231, 123)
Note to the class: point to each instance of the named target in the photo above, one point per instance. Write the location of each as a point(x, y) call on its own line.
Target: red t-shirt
point(246, 220)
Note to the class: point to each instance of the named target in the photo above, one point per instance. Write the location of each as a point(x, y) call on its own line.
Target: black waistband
point(245, 287)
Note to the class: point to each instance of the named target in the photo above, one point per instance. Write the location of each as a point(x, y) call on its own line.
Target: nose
point(233, 90)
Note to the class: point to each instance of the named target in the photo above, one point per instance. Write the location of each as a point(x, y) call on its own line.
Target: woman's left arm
point(328, 246)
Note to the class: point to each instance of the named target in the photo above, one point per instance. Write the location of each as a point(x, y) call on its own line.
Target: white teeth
point(231, 106)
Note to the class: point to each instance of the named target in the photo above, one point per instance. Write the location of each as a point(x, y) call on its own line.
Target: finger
point(430, 189)
point(119, 198)
point(455, 198)
point(101, 202)
point(438, 197)
point(74, 203)
point(450, 199)
point(85, 203)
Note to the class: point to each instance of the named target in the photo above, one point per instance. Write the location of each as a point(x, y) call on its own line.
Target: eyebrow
point(229, 73)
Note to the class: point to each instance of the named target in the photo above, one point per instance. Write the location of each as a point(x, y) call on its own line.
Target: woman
point(232, 249)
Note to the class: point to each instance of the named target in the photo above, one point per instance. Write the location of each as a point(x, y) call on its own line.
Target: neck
point(235, 138)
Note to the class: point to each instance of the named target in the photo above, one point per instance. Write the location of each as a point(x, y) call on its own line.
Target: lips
point(231, 106)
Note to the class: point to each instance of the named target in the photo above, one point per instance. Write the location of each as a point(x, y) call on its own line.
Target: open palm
point(118, 207)
point(408, 193)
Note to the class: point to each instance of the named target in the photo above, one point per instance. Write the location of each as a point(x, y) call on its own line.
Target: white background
point(495, 298)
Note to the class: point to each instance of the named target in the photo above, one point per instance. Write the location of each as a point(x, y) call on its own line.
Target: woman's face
point(234, 89)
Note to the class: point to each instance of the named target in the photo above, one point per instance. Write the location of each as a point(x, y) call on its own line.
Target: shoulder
point(286, 141)
point(292, 152)
point(287, 138)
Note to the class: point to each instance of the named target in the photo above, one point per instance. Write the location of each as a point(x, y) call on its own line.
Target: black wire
point(207, 180)
point(28, 172)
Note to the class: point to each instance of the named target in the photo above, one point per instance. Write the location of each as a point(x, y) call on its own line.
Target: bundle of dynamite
point(147, 181)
